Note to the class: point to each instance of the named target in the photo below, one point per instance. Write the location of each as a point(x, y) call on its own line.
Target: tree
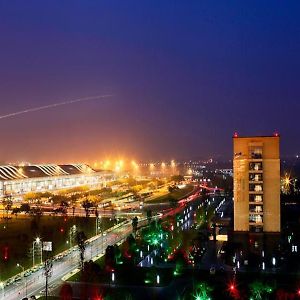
point(7, 203)
point(177, 178)
point(36, 212)
point(135, 222)
point(66, 292)
point(149, 215)
point(204, 194)
point(58, 199)
point(128, 249)
point(15, 211)
point(172, 201)
point(86, 204)
point(110, 258)
point(64, 207)
point(173, 188)
point(81, 242)
point(64, 204)
point(25, 207)
point(91, 272)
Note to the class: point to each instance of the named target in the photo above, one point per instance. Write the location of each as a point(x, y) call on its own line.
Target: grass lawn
point(177, 195)
point(18, 233)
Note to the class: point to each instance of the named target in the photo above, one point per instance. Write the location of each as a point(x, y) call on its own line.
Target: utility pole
point(48, 266)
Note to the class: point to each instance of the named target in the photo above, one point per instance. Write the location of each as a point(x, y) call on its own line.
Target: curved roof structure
point(11, 172)
point(8, 172)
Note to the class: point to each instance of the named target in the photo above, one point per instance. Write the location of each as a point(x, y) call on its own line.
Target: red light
point(5, 254)
point(276, 134)
point(61, 230)
point(298, 292)
point(232, 287)
point(235, 135)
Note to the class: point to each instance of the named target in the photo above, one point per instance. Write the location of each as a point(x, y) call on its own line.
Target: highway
point(34, 284)
point(68, 261)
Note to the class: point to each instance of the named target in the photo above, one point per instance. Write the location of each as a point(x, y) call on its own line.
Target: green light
point(259, 290)
point(203, 292)
point(155, 241)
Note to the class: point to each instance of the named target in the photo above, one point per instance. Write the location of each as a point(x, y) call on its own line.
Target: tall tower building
point(256, 168)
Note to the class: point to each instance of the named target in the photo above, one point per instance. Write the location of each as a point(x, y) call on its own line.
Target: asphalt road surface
point(34, 284)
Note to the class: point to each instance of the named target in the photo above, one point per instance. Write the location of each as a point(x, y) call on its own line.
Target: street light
point(98, 224)
point(20, 266)
point(37, 241)
point(157, 279)
point(71, 234)
point(113, 277)
point(23, 275)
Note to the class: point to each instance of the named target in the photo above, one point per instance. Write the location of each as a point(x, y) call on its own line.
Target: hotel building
point(256, 169)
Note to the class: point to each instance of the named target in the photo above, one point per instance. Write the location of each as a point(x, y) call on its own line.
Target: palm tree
point(86, 204)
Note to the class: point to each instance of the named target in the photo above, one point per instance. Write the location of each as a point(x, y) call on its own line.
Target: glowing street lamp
point(37, 241)
point(113, 277)
point(157, 279)
point(106, 164)
point(173, 164)
point(20, 266)
point(135, 165)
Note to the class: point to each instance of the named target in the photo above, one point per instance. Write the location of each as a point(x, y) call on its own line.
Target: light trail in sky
point(52, 106)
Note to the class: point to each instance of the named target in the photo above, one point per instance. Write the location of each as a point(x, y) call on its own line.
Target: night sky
point(185, 75)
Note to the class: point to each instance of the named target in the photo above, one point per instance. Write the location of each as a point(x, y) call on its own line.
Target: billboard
point(47, 246)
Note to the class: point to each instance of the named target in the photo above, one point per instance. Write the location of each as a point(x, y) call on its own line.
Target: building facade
point(19, 180)
point(256, 170)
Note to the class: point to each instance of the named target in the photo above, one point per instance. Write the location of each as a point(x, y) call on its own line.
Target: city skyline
point(184, 78)
point(149, 150)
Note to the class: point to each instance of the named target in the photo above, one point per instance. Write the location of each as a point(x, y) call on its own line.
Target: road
point(34, 283)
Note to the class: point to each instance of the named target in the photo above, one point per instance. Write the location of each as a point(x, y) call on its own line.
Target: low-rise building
point(19, 180)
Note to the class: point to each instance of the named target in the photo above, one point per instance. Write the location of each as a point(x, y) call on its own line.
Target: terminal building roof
point(10, 172)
